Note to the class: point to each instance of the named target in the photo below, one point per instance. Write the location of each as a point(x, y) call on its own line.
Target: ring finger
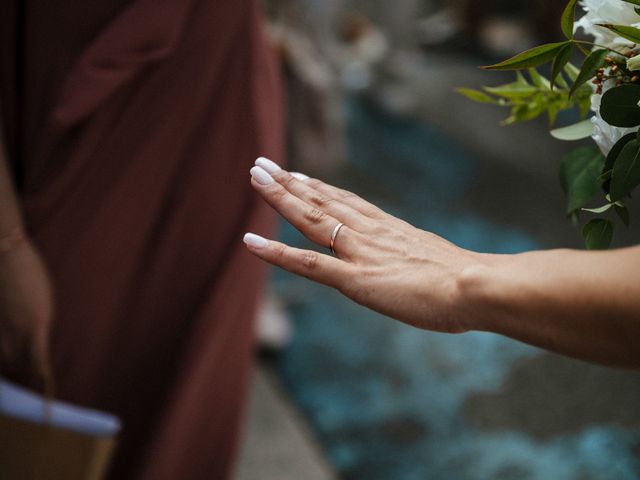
point(315, 224)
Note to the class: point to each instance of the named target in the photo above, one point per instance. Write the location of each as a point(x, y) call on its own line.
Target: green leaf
point(579, 172)
point(626, 171)
point(585, 106)
point(605, 176)
point(553, 109)
point(630, 33)
point(562, 83)
point(515, 90)
point(521, 80)
point(538, 80)
point(511, 91)
point(527, 110)
point(623, 213)
point(598, 234)
point(476, 95)
point(568, 17)
point(531, 58)
point(577, 131)
point(611, 159)
point(619, 106)
point(590, 67)
point(560, 61)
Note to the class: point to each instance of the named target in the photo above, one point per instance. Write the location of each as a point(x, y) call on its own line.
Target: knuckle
point(280, 250)
point(279, 193)
point(347, 195)
point(313, 182)
point(287, 180)
point(321, 200)
point(315, 215)
point(310, 260)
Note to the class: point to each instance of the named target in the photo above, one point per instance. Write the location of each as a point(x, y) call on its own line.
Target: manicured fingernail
point(300, 176)
point(268, 165)
point(262, 177)
point(255, 241)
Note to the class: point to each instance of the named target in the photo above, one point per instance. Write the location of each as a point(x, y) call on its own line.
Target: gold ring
point(334, 234)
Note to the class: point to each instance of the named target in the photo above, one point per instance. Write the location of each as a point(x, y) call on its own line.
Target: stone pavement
point(278, 443)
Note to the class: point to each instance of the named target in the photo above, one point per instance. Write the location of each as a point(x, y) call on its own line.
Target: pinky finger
point(325, 269)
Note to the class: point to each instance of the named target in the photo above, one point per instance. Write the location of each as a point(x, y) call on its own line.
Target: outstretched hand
point(380, 261)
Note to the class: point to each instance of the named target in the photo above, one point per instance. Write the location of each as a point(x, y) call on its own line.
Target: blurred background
point(343, 393)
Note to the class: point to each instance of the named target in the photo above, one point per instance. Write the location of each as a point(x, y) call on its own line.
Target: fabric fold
point(145, 33)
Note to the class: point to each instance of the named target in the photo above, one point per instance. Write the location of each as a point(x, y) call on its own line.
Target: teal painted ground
point(391, 402)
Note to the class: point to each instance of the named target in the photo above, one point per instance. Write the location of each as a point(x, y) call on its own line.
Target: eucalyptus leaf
point(598, 234)
point(626, 171)
point(568, 17)
point(590, 67)
point(630, 33)
point(579, 172)
point(531, 58)
point(634, 2)
point(560, 61)
point(619, 106)
point(577, 131)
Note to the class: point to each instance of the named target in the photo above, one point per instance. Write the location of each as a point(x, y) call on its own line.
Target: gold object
point(334, 234)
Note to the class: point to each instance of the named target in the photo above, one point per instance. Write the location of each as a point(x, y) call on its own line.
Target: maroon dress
point(131, 126)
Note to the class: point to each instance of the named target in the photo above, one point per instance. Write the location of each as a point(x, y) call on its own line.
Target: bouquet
point(605, 89)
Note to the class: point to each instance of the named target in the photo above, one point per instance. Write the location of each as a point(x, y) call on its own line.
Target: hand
point(26, 309)
point(382, 262)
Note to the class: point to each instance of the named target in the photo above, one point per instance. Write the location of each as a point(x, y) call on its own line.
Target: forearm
point(578, 303)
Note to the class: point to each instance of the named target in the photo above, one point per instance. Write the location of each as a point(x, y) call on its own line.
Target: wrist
point(11, 240)
point(479, 293)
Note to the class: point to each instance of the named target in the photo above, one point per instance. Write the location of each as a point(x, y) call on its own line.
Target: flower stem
point(584, 42)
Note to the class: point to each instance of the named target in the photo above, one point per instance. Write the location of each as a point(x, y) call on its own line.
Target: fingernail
point(254, 240)
point(300, 176)
point(262, 177)
point(268, 165)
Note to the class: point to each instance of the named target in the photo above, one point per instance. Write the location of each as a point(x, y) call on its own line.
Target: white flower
point(607, 11)
point(619, 13)
point(605, 135)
